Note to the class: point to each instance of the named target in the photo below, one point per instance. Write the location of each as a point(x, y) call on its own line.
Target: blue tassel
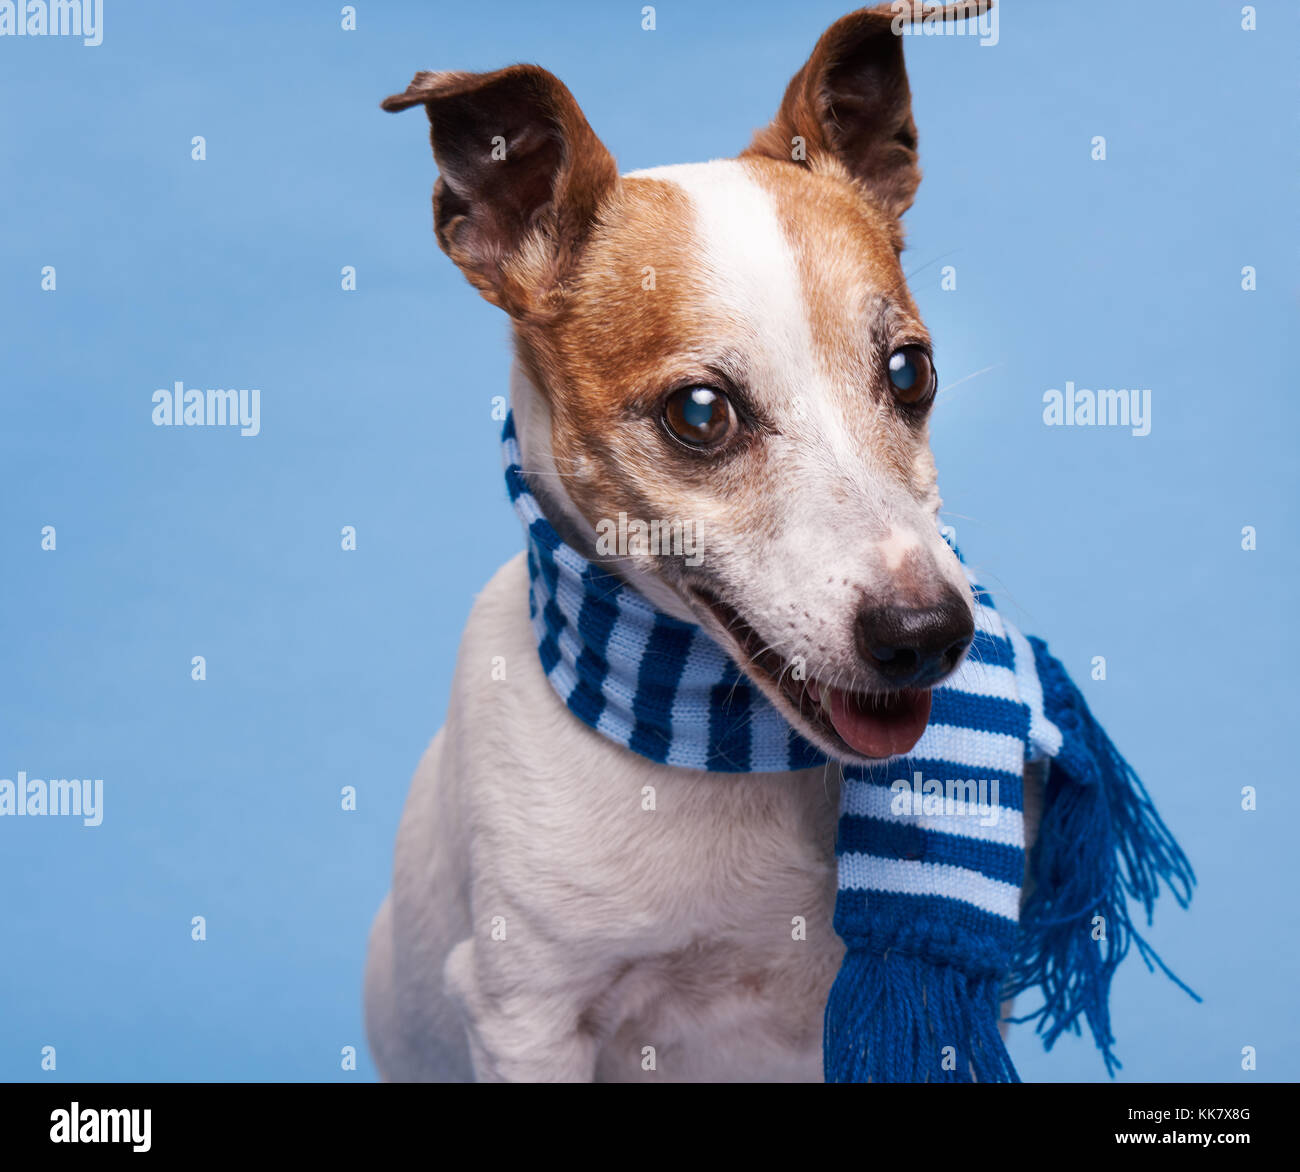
point(1101, 842)
point(892, 1017)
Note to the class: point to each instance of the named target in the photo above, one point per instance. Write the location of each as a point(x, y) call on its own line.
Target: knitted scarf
point(940, 921)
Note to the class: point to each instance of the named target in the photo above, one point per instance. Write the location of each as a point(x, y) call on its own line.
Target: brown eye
point(911, 374)
point(699, 416)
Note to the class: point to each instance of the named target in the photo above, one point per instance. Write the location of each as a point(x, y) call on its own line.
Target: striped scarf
point(931, 902)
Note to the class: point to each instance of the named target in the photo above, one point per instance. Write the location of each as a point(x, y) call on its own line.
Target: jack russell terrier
point(731, 342)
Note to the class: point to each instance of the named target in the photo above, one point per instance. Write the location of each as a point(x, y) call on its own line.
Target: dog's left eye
point(911, 374)
point(699, 416)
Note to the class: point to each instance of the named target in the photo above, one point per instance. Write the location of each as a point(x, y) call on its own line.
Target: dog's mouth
point(847, 724)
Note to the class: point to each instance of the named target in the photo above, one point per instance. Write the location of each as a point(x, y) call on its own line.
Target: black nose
point(913, 647)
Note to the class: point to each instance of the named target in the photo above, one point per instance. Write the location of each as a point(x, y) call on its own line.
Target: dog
point(732, 342)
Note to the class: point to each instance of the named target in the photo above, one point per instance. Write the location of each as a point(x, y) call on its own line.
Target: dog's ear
point(851, 102)
point(522, 178)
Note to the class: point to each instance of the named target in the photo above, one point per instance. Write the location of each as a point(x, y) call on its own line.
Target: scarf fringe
point(892, 1017)
point(1101, 842)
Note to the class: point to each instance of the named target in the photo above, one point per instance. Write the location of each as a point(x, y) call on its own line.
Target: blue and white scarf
point(931, 869)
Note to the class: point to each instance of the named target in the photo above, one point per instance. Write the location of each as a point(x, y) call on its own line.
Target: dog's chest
point(686, 916)
point(695, 908)
point(737, 876)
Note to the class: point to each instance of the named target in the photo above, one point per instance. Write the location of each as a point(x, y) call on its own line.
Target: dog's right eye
point(911, 374)
point(699, 416)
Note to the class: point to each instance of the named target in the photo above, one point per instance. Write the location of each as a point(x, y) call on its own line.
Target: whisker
point(967, 378)
point(921, 268)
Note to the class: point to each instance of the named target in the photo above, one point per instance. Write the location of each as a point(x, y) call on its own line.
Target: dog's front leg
point(519, 1030)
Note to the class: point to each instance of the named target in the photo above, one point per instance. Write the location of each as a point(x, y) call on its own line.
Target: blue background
point(328, 668)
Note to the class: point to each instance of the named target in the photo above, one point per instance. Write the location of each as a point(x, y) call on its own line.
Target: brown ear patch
point(635, 310)
point(642, 268)
point(522, 178)
point(851, 102)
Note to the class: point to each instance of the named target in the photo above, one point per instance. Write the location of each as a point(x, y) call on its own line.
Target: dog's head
point(731, 346)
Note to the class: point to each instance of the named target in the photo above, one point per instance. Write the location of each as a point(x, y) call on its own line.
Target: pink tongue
point(877, 729)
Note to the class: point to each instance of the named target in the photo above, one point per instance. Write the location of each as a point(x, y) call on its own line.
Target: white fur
point(625, 928)
point(843, 525)
point(896, 547)
point(543, 923)
point(752, 272)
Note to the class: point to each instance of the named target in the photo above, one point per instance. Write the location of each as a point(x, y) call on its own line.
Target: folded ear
point(522, 177)
point(851, 102)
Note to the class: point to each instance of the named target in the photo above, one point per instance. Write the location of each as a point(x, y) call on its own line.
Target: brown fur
point(552, 234)
point(851, 103)
point(514, 225)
